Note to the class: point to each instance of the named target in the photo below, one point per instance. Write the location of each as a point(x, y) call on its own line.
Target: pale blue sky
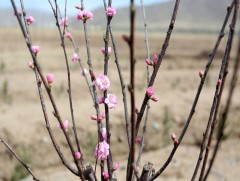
point(89, 4)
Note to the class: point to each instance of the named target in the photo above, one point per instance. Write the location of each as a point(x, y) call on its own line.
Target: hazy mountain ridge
point(192, 14)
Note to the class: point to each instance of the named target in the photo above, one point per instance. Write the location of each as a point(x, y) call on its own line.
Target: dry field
point(22, 123)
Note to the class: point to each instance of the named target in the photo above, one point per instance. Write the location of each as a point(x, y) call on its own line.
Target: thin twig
point(158, 64)
point(54, 142)
point(131, 160)
point(24, 20)
point(224, 114)
point(148, 79)
point(123, 86)
point(227, 55)
point(106, 59)
point(96, 106)
point(19, 159)
point(217, 98)
point(192, 111)
point(77, 52)
point(36, 65)
point(61, 34)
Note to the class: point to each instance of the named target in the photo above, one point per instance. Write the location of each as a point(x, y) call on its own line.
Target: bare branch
point(19, 159)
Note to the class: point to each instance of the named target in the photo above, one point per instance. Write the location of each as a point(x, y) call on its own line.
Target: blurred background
point(195, 33)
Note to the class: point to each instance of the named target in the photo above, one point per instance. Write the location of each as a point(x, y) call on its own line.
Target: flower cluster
point(150, 92)
point(84, 15)
point(111, 101)
point(65, 124)
point(105, 175)
point(103, 50)
point(102, 82)
point(78, 155)
point(35, 49)
point(68, 35)
point(138, 140)
point(111, 11)
point(102, 150)
point(30, 20)
point(63, 21)
point(75, 57)
point(153, 61)
point(50, 78)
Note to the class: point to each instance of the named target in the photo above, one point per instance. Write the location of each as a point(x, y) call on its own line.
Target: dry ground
point(22, 122)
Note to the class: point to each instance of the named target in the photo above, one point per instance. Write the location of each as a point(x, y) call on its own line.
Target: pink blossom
point(111, 101)
point(78, 155)
point(115, 165)
point(105, 175)
point(50, 78)
point(104, 133)
point(102, 82)
point(219, 81)
point(84, 15)
point(75, 57)
point(30, 20)
point(30, 65)
point(150, 91)
point(103, 50)
point(35, 49)
point(111, 11)
point(84, 72)
point(100, 118)
point(63, 21)
point(68, 35)
point(102, 150)
point(65, 124)
point(138, 140)
point(101, 99)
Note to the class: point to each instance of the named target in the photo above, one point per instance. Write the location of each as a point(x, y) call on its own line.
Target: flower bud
point(115, 165)
point(30, 20)
point(138, 140)
point(150, 91)
point(201, 73)
point(93, 117)
point(50, 78)
point(35, 49)
point(154, 99)
point(77, 155)
point(148, 62)
point(30, 65)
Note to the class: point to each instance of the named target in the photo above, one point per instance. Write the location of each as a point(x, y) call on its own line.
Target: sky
point(89, 4)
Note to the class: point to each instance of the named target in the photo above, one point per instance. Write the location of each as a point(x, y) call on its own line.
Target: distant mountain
point(193, 15)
